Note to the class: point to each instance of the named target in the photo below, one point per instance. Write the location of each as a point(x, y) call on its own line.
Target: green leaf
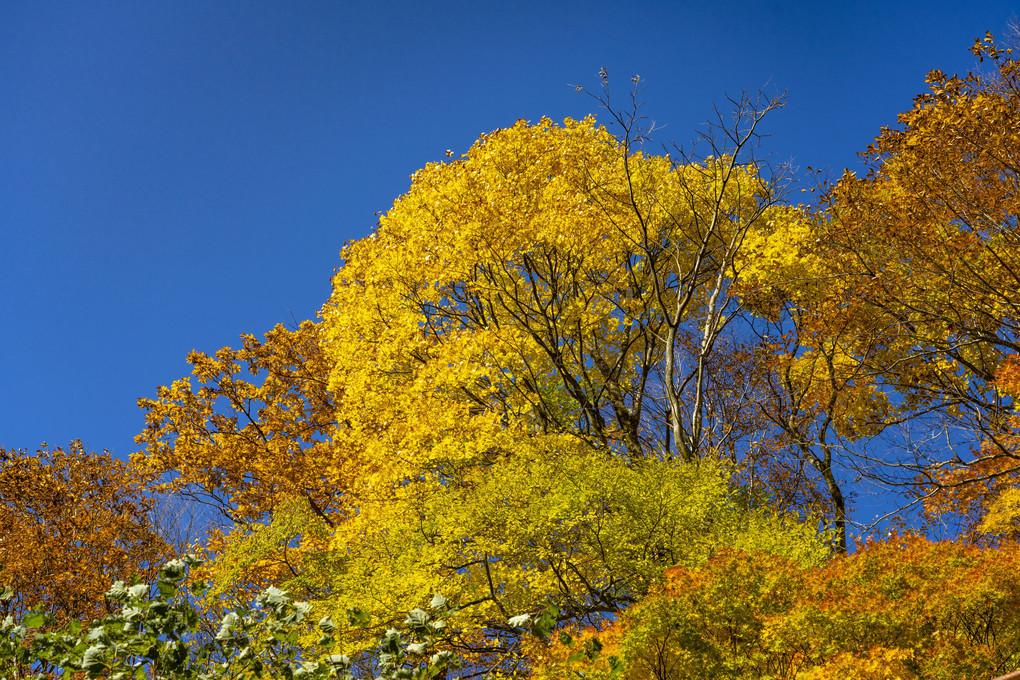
point(417, 621)
point(327, 626)
point(575, 657)
point(173, 571)
point(418, 648)
point(340, 660)
point(226, 631)
point(34, 620)
point(358, 617)
point(546, 621)
point(117, 592)
point(137, 591)
point(93, 660)
point(273, 596)
point(391, 641)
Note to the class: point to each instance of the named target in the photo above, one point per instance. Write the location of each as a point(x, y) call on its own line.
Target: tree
point(510, 397)
point(888, 322)
point(73, 521)
point(815, 391)
point(555, 279)
point(242, 445)
point(583, 531)
point(255, 431)
point(926, 251)
point(906, 608)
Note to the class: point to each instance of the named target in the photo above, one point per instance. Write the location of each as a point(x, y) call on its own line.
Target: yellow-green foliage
point(556, 522)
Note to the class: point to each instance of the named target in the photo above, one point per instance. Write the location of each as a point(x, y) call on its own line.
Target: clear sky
point(173, 174)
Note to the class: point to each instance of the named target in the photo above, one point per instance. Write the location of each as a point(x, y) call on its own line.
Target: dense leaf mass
point(72, 523)
point(905, 607)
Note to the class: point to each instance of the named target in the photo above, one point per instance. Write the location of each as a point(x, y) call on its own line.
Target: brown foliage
point(72, 523)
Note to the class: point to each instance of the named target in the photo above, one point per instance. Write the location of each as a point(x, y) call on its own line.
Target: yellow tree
point(554, 293)
point(510, 397)
point(555, 279)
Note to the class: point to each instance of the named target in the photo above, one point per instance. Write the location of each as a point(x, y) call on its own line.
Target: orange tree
point(927, 245)
point(252, 430)
point(73, 522)
point(906, 608)
point(895, 305)
point(250, 427)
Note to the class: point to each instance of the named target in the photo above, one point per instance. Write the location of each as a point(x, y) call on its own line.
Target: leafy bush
point(155, 633)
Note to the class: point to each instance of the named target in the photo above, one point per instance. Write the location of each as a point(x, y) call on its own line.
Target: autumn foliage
point(905, 607)
point(496, 404)
point(73, 522)
point(928, 244)
point(614, 406)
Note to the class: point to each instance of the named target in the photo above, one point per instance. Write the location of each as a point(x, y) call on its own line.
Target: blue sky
point(175, 174)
